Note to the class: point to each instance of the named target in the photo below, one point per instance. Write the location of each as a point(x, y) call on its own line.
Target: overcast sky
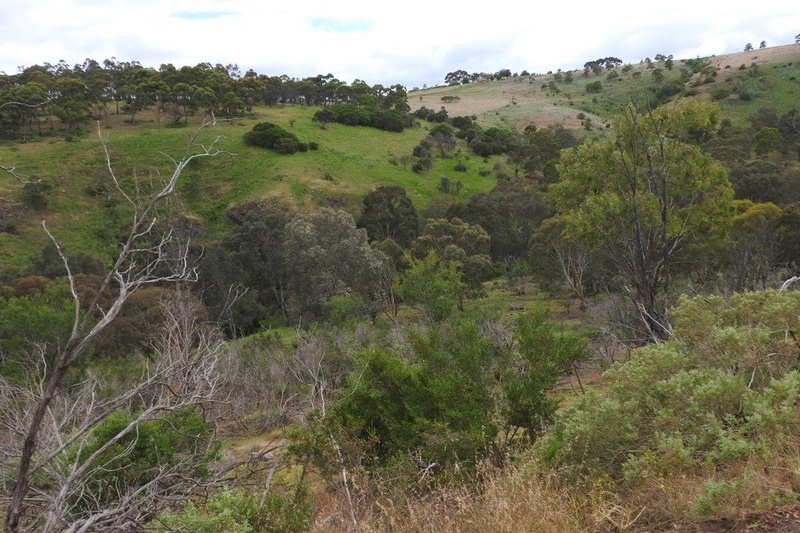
point(412, 42)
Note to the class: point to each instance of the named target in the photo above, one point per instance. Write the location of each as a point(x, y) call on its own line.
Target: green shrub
point(594, 87)
point(34, 194)
point(286, 146)
point(706, 399)
point(242, 511)
point(139, 456)
point(715, 493)
point(442, 397)
point(272, 136)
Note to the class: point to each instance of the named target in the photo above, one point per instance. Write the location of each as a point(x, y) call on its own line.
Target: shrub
point(139, 456)
point(594, 87)
point(242, 511)
point(423, 164)
point(705, 402)
point(286, 146)
point(34, 194)
point(272, 136)
point(440, 397)
point(353, 115)
point(721, 92)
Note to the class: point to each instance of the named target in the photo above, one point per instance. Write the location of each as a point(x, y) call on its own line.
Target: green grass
point(519, 101)
point(350, 162)
point(768, 86)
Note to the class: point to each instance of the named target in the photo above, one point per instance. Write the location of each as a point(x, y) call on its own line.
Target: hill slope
point(523, 100)
point(353, 160)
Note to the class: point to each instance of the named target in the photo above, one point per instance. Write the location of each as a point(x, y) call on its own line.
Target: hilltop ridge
point(520, 100)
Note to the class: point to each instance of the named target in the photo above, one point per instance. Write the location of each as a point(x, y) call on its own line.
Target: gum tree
point(641, 196)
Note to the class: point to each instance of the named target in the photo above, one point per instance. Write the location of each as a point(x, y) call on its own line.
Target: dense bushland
point(384, 355)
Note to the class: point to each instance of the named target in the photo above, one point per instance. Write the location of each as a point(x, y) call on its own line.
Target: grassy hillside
point(353, 160)
point(350, 162)
point(767, 77)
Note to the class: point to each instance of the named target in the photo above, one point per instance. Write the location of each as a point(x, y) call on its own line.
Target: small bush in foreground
point(240, 511)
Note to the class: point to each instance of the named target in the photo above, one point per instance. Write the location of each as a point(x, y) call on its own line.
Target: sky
point(414, 43)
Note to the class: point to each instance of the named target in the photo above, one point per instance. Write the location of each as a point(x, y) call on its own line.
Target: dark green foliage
point(387, 212)
point(501, 140)
point(139, 456)
point(255, 260)
point(34, 194)
point(424, 163)
point(430, 115)
point(545, 355)
point(509, 214)
point(272, 136)
point(594, 87)
point(448, 186)
point(354, 115)
point(285, 146)
point(787, 235)
point(438, 403)
point(442, 398)
point(665, 91)
point(224, 286)
point(764, 179)
point(481, 148)
point(394, 252)
point(461, 122)
point(49, 263)
point(540, 149)
point(423, 113)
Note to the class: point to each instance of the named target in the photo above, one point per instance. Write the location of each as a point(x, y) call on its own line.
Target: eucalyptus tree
point(642, 195)
point(328, 257)
point(388, 213)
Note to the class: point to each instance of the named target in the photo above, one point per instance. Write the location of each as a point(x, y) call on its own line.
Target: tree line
point(77, 94)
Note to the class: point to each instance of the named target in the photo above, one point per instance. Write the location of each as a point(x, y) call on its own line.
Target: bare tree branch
point(789, 282)
point(17, 175)
point(187, 367)
point(23, 104)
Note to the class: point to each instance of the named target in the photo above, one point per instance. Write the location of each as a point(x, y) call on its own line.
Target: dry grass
point(520, 101)
point(520, 498)
point(509, 501)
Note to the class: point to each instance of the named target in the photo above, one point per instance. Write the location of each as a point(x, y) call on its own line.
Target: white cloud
point(412, 43)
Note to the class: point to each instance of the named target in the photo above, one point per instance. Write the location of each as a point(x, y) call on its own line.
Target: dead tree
point(47, 414)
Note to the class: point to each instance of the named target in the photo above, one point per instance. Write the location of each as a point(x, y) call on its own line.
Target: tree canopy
point(640, 196)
